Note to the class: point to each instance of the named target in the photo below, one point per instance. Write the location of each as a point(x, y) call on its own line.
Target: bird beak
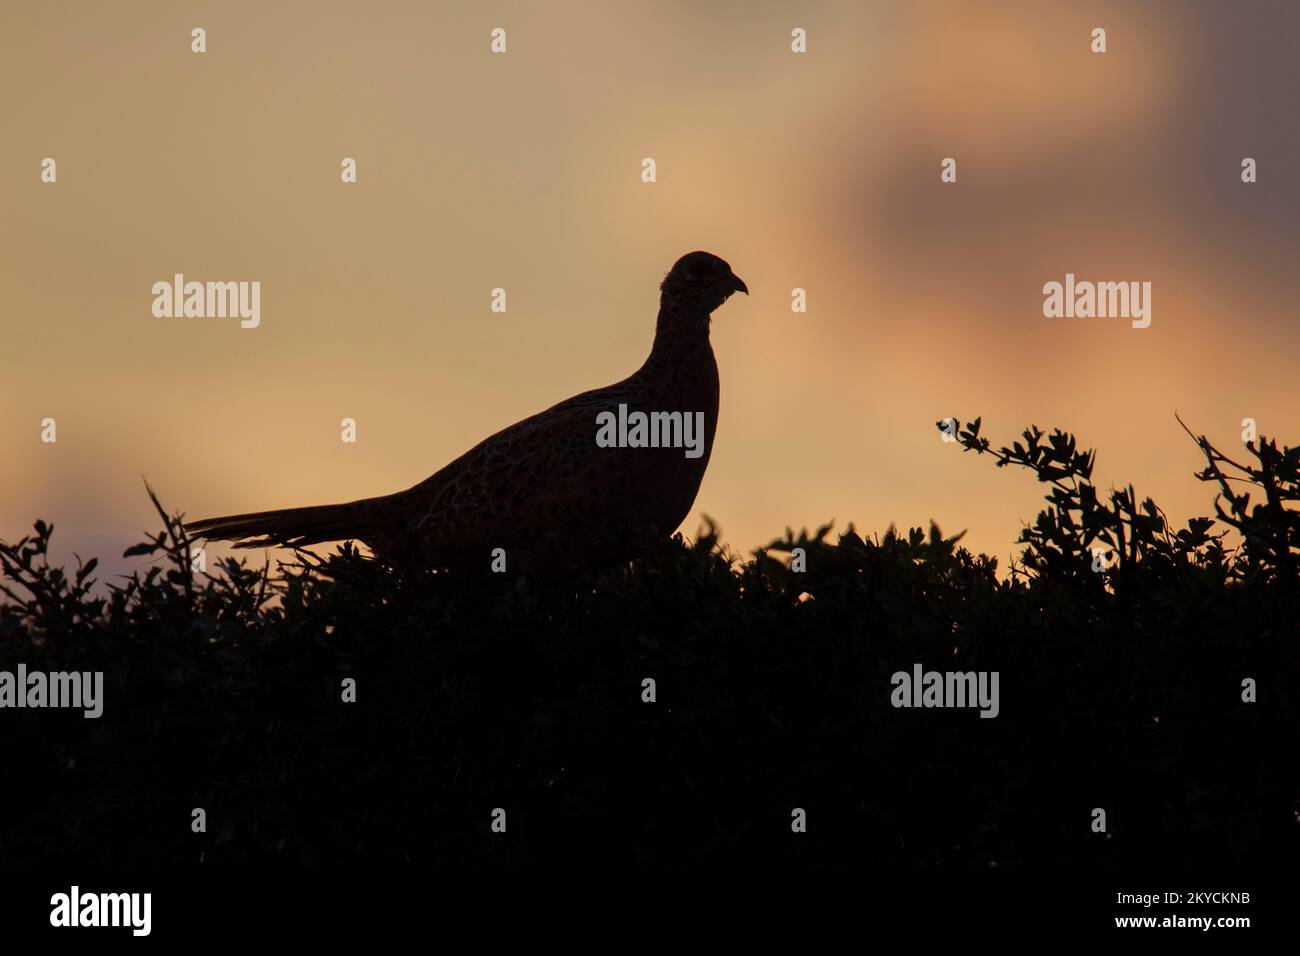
point(737, 284)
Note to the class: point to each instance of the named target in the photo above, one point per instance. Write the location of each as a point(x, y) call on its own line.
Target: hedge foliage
point(1121, 684)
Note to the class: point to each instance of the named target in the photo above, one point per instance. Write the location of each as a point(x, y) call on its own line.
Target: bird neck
point(680, 331)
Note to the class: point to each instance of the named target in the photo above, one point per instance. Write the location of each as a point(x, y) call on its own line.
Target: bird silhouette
point(545, 489)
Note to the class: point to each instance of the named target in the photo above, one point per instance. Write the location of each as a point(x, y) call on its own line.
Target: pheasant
point(545, 489)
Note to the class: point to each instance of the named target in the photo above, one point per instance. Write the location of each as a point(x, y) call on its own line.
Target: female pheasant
point(544, 489)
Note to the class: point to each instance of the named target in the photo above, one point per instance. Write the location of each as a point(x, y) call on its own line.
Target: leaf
point(86, 569)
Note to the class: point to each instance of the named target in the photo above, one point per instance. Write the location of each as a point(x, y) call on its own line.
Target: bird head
point(700, 281)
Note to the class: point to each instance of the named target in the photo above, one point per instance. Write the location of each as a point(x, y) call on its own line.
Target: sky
point(522, 170)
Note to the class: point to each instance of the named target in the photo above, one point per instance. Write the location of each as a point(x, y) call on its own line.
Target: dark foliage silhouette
point(1121, 688)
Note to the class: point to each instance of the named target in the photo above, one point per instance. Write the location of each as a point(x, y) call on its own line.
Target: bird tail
point(291, 527)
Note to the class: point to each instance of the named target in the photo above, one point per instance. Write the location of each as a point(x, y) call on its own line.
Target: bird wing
point(541, 476)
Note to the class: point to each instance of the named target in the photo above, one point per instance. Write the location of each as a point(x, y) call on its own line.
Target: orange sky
point(522, 171)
